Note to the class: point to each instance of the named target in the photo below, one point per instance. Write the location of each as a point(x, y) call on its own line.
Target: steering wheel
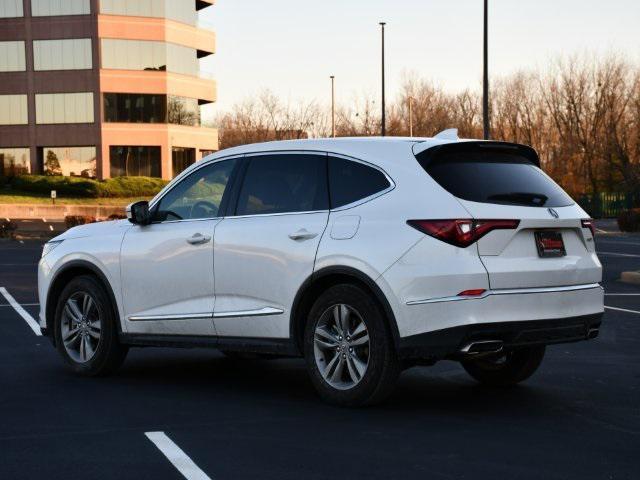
point(204, 205)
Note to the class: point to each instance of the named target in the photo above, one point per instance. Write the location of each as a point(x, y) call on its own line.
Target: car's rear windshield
point(501, 174)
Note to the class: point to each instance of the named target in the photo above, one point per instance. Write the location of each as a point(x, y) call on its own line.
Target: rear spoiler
point(440, 152)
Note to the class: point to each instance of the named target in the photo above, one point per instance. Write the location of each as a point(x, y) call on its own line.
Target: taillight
point(461, 233)
point(589, 223)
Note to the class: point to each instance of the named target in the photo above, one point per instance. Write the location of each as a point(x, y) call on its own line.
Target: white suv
point(366, 256)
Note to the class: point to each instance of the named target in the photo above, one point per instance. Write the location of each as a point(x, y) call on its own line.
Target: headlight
point(50, 246)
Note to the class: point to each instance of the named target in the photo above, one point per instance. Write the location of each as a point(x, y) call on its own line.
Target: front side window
point(282, 184)
point(351, 181)
point(197, 196)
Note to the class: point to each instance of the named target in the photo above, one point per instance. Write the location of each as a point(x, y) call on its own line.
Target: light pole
point(485, 75)
point(333, 106)
point(411, 116)
point(384, 118)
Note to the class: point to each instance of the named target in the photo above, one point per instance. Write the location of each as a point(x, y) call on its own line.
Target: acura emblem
point(553, 213)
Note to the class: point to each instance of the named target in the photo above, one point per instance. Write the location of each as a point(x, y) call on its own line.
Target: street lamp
point(411, 116)
point(333, 106)
point(485, 76)
point(384, 119)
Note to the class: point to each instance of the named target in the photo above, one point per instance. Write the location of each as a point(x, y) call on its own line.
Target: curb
point(630, 277)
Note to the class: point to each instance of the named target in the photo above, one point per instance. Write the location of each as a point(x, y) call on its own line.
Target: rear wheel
point(85, 328)
point(507, 369)
point(349, 349)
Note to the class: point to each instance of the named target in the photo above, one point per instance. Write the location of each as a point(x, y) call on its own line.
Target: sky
point(291, 47)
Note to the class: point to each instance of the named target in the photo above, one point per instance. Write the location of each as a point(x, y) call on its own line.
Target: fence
point(607, 205)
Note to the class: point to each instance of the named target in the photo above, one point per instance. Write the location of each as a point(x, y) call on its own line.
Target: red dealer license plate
point(550, 244)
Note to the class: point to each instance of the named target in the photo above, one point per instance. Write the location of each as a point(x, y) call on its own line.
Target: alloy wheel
point(81, 327)
point(341, 346)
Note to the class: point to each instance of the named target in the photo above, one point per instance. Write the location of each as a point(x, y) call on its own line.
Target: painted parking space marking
point(623, 294)
point(21, 311)
point(622, 309)
point(176, 456)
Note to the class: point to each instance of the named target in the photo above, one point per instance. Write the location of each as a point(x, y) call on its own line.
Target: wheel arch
point(325, 278)
point(62, 277)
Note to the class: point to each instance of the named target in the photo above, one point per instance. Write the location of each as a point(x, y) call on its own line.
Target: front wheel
point(507, 369)
point(85, 328)
point(349, 349)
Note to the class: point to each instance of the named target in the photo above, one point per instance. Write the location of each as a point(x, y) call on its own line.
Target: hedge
point(119, 187)
point(629, 221)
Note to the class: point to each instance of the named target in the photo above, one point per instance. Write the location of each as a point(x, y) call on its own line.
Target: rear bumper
point(447, 343)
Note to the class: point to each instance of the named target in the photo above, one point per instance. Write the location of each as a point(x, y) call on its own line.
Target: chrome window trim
point(265, 311)
point(511, 291)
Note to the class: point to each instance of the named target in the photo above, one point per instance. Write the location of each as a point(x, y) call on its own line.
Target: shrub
point(87, 188)
point(116, 216)
point(7, 228)
point(75, 220)
point(629, 221)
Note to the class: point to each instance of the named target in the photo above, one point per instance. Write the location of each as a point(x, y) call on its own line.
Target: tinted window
point(13, 110)
point(284, 183)
point(71, 54)
point(64, 108)
point(69, 161)
point(14, 161)
point(352, 181)
point(197, 196)
point(182, 158)
point(134, 161)
point(41, 8)
point(12, 57)
point(496, 177)
point(10, 8)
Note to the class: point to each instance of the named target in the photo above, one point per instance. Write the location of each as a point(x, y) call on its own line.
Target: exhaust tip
point(593, 333)
point(483, 346)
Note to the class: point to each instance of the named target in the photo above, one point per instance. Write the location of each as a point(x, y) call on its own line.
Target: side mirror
point(138, 213)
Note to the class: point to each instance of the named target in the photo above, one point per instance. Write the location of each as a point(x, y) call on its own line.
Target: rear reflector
point(588, 223)
point(461, 233)
point(472, 293)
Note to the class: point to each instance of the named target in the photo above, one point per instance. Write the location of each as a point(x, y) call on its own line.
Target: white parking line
point(176, 456)
point(622, 310)
point(618, 254)
point(21, 311)
point(23, 304)
point(623, 294)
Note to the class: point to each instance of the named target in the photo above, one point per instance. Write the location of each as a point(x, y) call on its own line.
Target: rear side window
point(505, 175)
point(351, 181)
point(284, 183)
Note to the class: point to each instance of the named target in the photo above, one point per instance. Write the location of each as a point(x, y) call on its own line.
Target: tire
point(347, 383)
point(510, 369)
point(89, 319)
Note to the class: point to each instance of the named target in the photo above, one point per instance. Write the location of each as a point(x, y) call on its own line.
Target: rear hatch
point(553, 243)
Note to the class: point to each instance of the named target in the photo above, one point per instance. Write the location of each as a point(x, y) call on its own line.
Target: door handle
point(198, 239)
point(302, 234)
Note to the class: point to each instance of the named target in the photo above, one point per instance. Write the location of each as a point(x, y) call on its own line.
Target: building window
point(179, 10)
point(72, 54)
point(134, 161)
point(48, 8)
point(69, 161)
point(64, 108)
point(182, 158)
point(14, 161)
point(149, 55)
point(206, 153)
point(12, 57)
point(13, 110)
point(135, 108)
point(183, 111)
point(11, 8)
point(147, 108)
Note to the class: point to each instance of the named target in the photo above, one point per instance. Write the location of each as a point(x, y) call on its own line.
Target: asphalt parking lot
point(578, 417)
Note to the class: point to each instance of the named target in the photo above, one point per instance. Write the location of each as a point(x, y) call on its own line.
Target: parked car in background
point(365, 256)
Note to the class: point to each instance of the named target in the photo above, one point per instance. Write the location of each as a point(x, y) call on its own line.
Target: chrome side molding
point(513, 291)
point(208, 316)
